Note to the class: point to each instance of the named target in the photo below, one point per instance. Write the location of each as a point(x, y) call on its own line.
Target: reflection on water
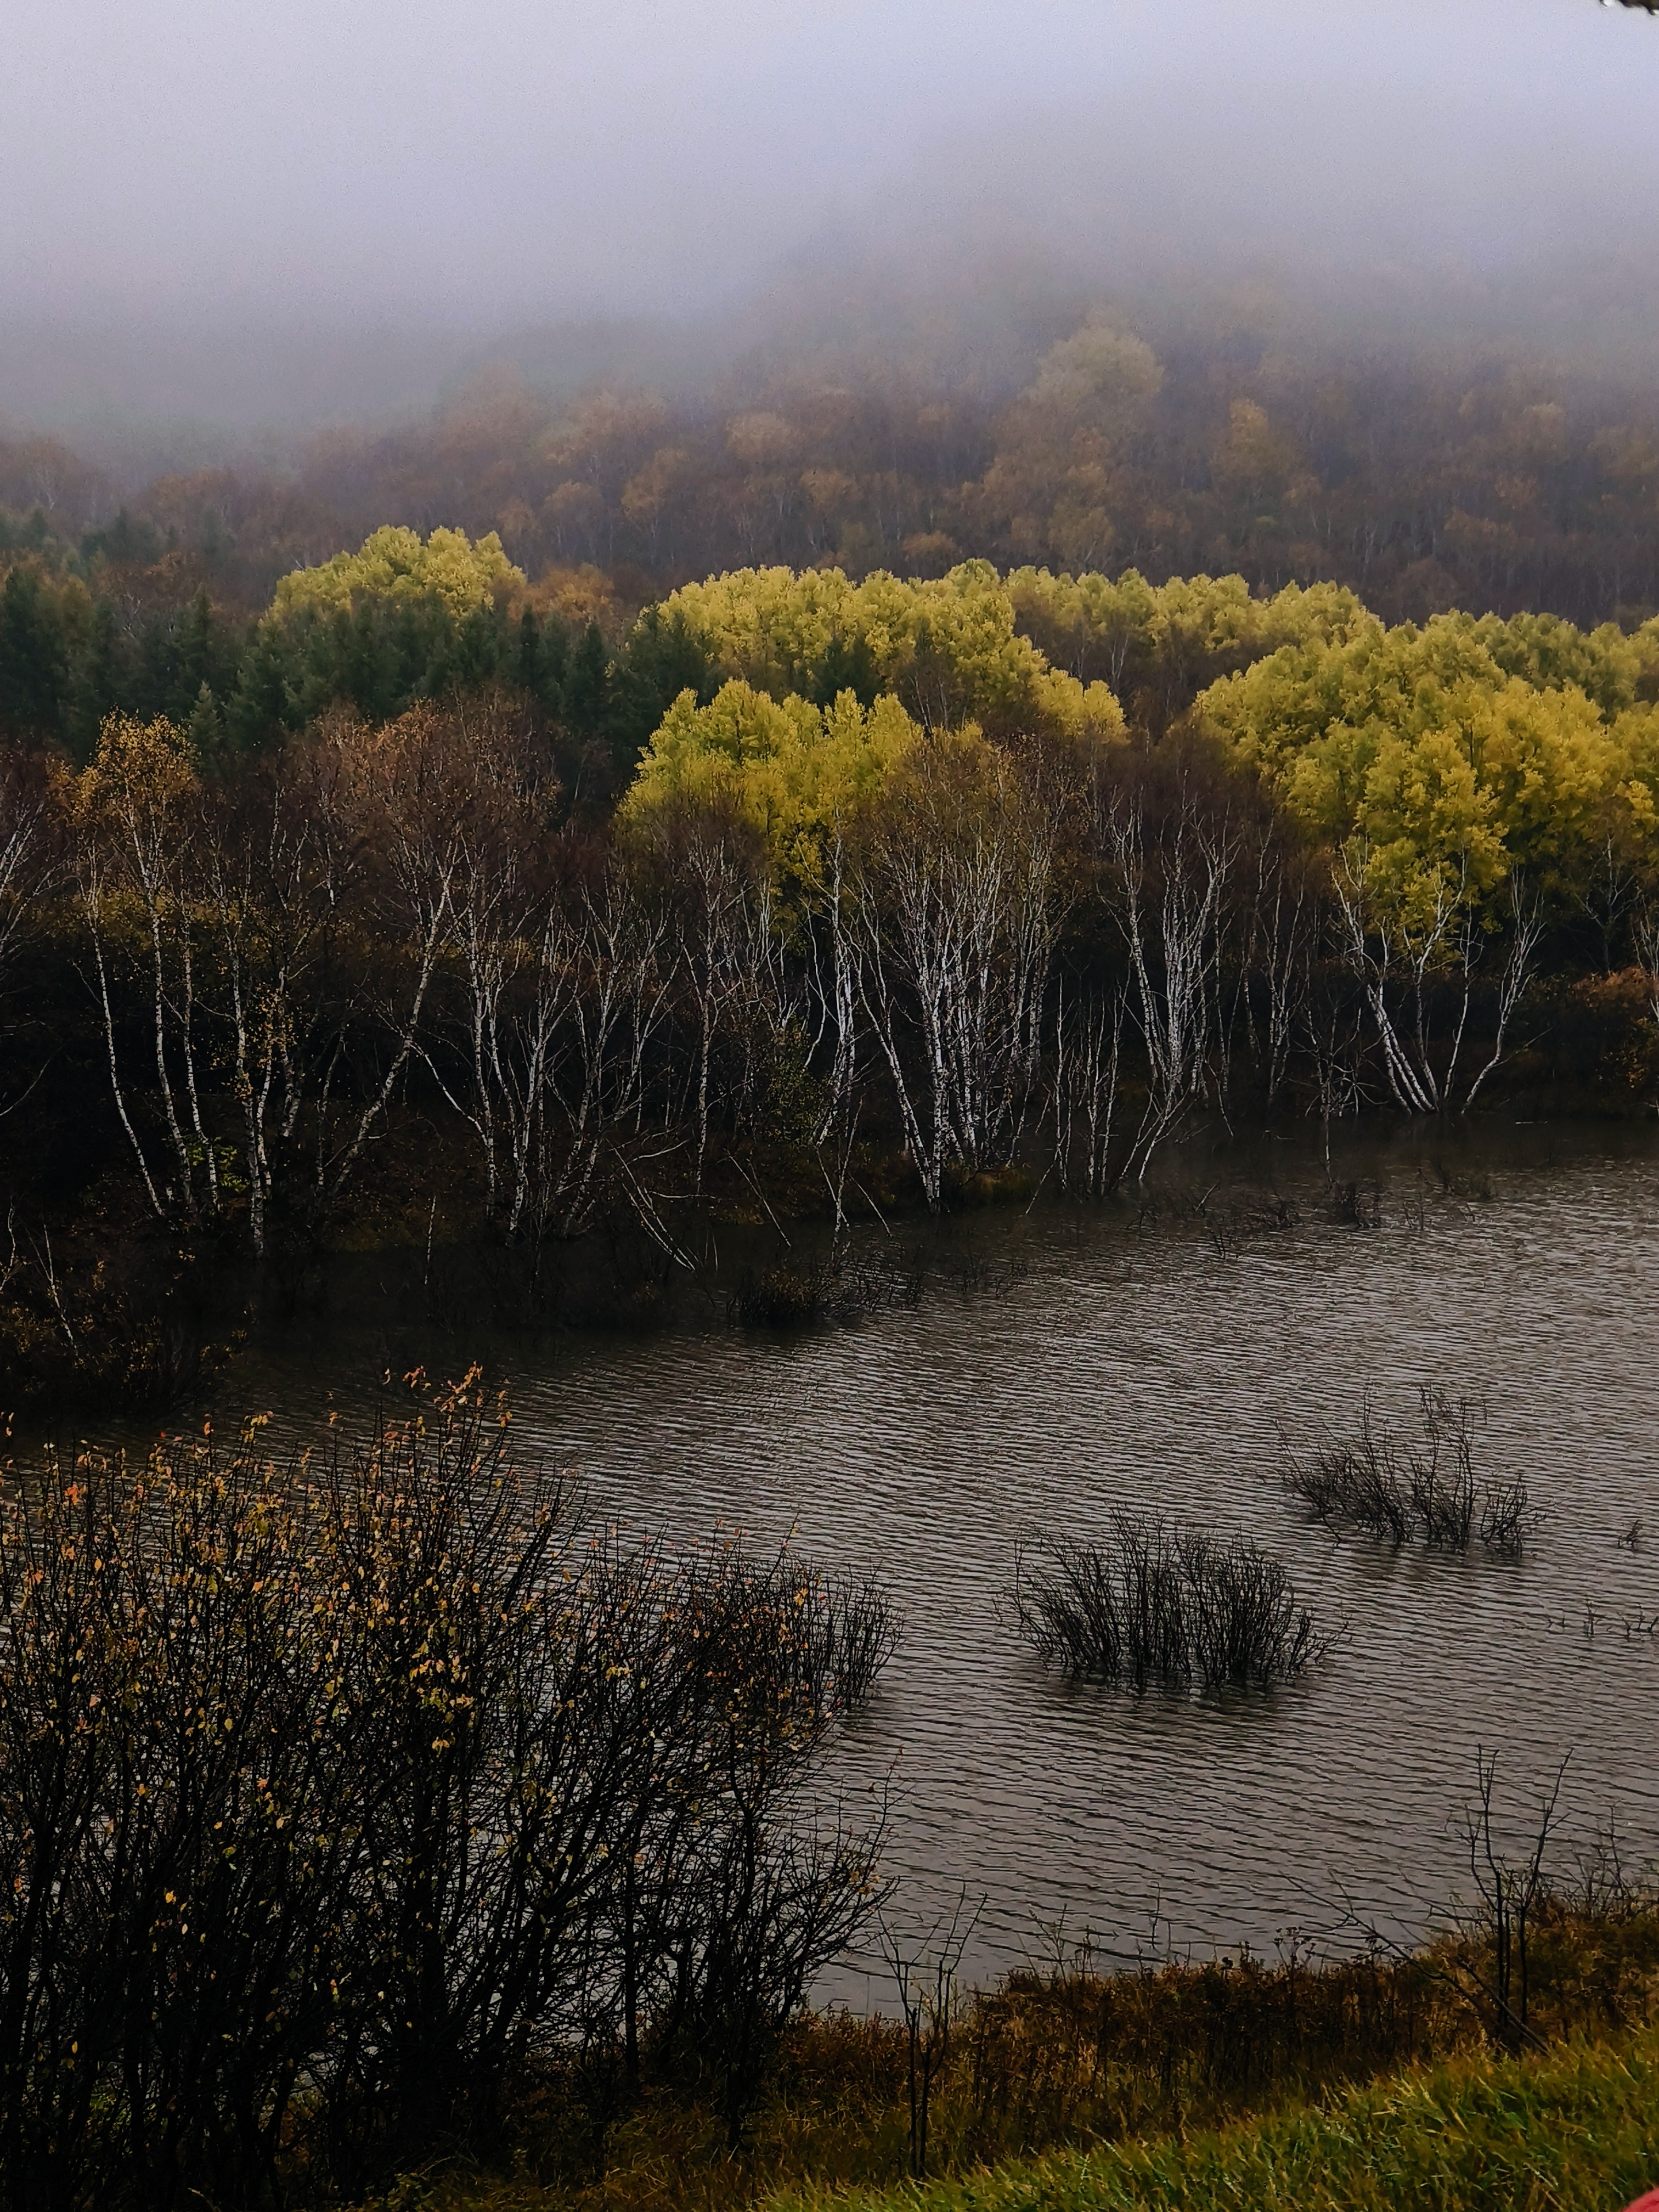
point(1156, 1367)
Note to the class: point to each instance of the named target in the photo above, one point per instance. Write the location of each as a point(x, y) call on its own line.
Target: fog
point(245, 220)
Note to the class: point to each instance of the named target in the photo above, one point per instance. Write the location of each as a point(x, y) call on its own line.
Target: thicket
point(896, 907)
point(351, 1802)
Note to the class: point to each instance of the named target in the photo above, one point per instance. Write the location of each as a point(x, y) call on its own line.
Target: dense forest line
point(804, 895)
point(1423, 477)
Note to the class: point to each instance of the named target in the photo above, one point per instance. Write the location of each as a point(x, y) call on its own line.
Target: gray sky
point(226, 165)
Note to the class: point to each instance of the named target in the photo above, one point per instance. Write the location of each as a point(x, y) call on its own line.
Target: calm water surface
point(1136, 1366)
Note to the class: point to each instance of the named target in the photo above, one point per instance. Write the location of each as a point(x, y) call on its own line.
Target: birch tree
point(956, 905)
point(272, 889)
point(1402, 949)
point(1171, 909)
point(390, 798)
point(27, 871)
point(134, 812)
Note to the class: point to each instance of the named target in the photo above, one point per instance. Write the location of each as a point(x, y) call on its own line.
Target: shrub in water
point(1153, 1604)
point(1395, 1488)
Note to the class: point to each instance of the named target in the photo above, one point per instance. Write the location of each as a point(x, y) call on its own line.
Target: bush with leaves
point(338, 1795)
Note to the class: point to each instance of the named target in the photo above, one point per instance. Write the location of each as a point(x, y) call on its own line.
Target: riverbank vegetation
point(1362, 2099)
point(1573, 2130)
point(376, 1830)
point(1475, 2132)
point(886, 900)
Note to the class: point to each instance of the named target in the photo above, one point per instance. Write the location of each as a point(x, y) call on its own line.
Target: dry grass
point(1051, 2064)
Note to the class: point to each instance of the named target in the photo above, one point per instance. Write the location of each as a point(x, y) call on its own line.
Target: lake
point(1153, 1356)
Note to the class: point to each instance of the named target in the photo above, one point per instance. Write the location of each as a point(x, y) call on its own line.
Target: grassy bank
point(1370, 2080)
point(1575, 2130)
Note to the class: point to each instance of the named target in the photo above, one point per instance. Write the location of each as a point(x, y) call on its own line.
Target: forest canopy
point(1237, 438)
point(1461, 748)
point(395, 563)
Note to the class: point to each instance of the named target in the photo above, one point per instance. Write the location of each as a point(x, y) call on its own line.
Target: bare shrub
point(1158, 1604)
point(1397, 1487)
point(342, 1795)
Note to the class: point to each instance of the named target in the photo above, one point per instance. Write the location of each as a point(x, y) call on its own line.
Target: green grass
point(1364, 2081)
point(1577, 2130)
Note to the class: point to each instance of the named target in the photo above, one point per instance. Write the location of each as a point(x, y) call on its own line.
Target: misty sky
point(223, 164)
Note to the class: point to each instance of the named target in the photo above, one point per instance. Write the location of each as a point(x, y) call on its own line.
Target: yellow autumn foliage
point(946, 647)
point(785, 767)
point(395, 562)
point(1467, 748)
point(141, 773)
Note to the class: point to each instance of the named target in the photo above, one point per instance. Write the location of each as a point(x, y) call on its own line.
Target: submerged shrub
point(1395, 1488)
point(1152, 1604)
point(839, 1284)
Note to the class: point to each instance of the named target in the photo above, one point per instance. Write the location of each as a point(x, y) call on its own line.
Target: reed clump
point(1400, 1487)
point(1152, 1604)
point(1355, 1204)
point(1231, 1227)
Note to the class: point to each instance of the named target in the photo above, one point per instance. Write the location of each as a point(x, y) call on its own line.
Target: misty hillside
point(1304, 293)
point(1240, 439)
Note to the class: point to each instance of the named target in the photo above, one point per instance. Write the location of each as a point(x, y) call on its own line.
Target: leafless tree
point(957, 907)
point(1608, 894)
point(834, 975)
point(1088, 1051)
point(1647, 951)
point(395, 791)
point(1280, 936)
point(271, 889)
point(744, 998)
point(28, 866)
point(1526, 930)
point(619, 1005)
point(22, 839)
point(135, 817)
point(1509, 1894)
point(1332, 1036)
point(925, 1978)
point(1171, 920)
